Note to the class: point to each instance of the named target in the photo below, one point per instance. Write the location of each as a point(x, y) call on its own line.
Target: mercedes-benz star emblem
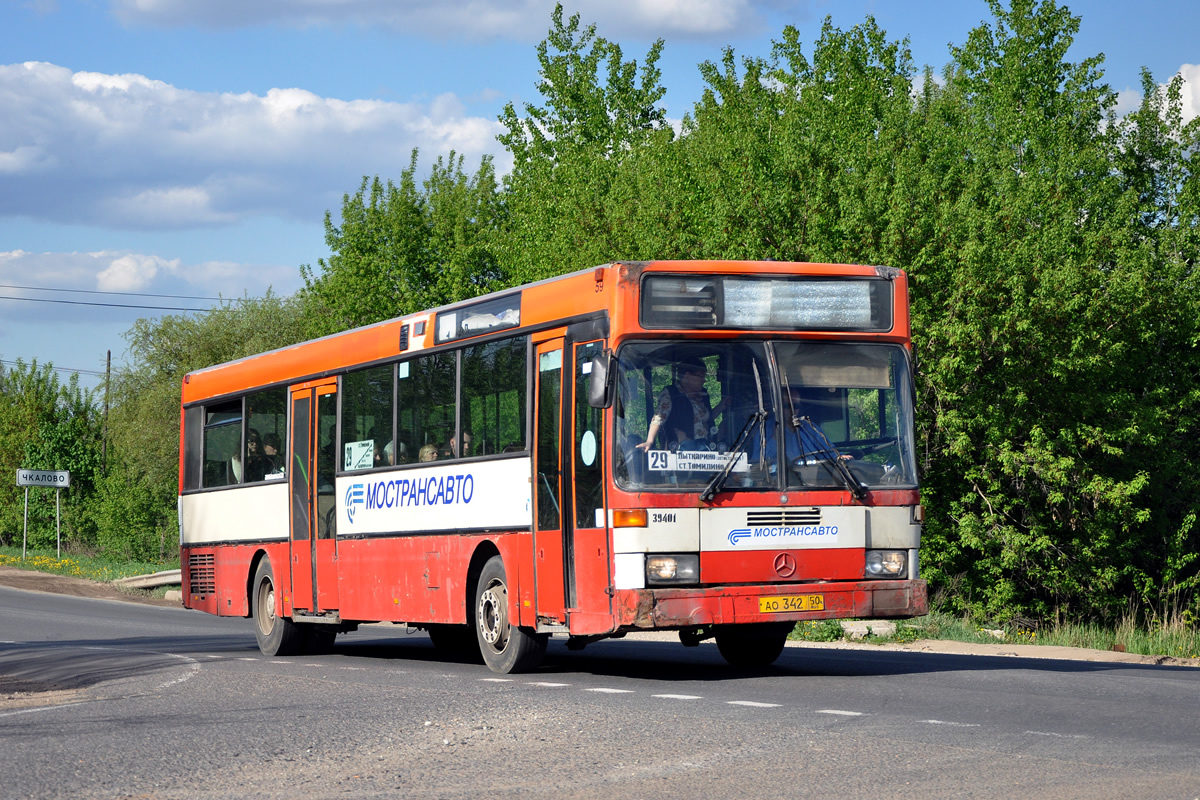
point(785, 565)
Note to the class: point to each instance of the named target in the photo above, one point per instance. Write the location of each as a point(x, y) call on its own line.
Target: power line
point(56, 369)
point(97, 291)
point(105, 305)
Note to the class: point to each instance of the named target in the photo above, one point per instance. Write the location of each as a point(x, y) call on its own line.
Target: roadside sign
point(45, 478)
point(56, 479)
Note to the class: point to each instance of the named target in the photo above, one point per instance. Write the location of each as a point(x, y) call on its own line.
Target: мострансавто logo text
point(784, 531)
point(433, 490)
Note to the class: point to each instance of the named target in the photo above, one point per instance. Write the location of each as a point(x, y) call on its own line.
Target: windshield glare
point(685, 409)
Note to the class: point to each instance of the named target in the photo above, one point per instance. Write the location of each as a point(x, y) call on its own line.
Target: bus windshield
point(839, 413)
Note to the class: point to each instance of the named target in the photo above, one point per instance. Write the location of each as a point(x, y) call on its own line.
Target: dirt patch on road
point(77, 587)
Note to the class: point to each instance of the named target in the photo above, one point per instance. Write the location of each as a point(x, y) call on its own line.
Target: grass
point(1177, 637)
point(91, 567)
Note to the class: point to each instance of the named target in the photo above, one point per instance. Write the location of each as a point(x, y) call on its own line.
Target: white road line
point(679, 696)
point(603, 690)
point(547, 683)
point(839, 712)
point(496, 680)
point(952, 724)
point(44, 708)
point(1057, 735)
point(751, 703)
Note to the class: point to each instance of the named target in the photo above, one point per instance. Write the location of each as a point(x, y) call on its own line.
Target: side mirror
point(600, 381)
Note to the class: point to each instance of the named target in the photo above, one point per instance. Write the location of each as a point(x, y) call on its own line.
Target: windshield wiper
point(755, 419)
point(833, 457)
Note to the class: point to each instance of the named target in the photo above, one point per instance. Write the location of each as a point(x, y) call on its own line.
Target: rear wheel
point(505, 647)
point(277, 636)
point(754, 645)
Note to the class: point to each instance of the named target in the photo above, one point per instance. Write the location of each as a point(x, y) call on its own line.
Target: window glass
point(847, 404)
point(682, 406)
point(193, 447)
point(493, 398)
point(367, 416)
point(266, 435)
point(425, 399)
point(548, 453)
point(223, 444)
point(589, 443)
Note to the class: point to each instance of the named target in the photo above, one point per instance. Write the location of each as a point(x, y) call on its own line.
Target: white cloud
point(76, 282)
point(523, 20)
point(1191, 91)
point(132, 272)
point(128, 151)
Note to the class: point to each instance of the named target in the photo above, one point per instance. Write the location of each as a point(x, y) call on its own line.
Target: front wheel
point(505, 647)
point(277, 636)
point(754, 645)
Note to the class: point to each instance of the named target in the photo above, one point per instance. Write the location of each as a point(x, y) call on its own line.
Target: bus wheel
point(277, 636)
point(505, 647)
point(753, 645)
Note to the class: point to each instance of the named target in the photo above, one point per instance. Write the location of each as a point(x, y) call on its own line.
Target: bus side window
point(493, 396)
point(266, 435)
point(425, 397)
point(223, 444)
point(367, 416)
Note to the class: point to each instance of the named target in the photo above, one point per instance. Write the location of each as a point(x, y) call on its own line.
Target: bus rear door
point(313, 500)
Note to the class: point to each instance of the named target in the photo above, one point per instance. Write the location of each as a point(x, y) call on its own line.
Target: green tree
point(51, 425)
point(568, 207)
point(136, 509)
point(401, 248)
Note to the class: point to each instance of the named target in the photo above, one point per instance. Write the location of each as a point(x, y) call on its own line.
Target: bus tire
point(754, 645)
point(277, 636)
point(506, 648)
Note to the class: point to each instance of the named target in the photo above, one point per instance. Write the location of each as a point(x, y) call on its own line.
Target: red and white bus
point(717, 448)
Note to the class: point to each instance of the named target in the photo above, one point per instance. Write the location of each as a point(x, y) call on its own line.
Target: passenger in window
point(255, 462)
point(272, 458)
point(685, 418)
point(428, 453)
point(451, 450)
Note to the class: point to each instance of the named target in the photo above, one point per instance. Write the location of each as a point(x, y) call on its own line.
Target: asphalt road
point(114, 700)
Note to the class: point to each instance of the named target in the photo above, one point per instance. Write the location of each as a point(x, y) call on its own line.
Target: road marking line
point(603, 690)
point(751, 703)
point(1057, 735)
point(839, 712)
point(496, 680)
point(952, 724)
point(44, 708)
point(547, 683)
point(679, 696)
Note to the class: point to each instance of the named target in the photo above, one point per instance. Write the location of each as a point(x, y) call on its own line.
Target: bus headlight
point(672, 570)
point(886, 563)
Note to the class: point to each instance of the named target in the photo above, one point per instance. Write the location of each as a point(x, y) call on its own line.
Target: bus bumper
point(639, 609)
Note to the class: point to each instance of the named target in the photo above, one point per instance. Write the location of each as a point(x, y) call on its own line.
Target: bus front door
point(571, 550)
point(550, 566)
point(313, 457)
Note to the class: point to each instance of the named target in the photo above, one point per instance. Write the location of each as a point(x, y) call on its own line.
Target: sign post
point(46, 479)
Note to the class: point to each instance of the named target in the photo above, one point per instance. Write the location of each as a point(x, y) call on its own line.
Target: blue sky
point(190, 148)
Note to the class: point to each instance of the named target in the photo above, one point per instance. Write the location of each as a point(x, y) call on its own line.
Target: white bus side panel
point(248, 513)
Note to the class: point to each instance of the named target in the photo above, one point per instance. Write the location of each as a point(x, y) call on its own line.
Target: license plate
point(800, 602)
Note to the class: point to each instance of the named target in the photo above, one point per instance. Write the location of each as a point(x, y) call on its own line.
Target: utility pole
point(104, 440)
